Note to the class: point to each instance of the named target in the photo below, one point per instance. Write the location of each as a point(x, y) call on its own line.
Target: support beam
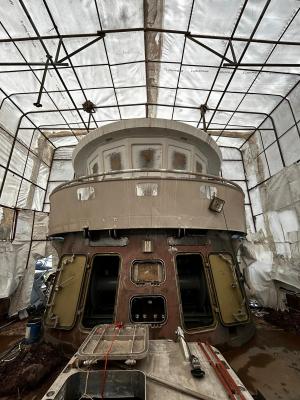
point(210, 49)
point(125, 30)
point(29, 63)
point(38, 102)
point(232, 52)
point(101, 36)
point(279, 65)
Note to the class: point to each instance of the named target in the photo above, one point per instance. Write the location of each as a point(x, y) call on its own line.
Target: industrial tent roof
point(229, 67)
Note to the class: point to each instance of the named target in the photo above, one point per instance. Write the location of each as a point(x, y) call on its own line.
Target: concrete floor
point(269, 363)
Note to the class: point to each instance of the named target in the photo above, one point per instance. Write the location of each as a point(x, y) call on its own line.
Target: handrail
point(106, 176)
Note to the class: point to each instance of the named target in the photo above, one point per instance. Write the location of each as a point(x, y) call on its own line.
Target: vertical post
point(38, 102)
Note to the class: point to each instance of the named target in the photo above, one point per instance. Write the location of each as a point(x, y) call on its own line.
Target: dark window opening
point(101, 296)
point(148, 309)
point(95, 168)
point(147, 158)
point(195, 301)
point(199, 167)
point(115, 162)
point(179, 161)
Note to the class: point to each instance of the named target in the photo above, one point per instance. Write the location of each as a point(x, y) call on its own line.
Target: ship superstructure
point(145, 235)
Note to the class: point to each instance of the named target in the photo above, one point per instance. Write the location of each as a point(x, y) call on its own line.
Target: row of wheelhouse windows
point(147, 156)
point(101, 295)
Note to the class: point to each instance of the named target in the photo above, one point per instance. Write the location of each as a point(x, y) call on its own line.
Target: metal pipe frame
point(107, 58)
point(68, 56)
point(143, 29)
point(181, 61)
point(274, 109)
point(241, 56)
point(35, 75)
point(14, 140)
point(49, 55)
point(233, 64)
point(221, 63)
point(144, 86)
point(254, 80)
point(155, 61)
point(35, 184)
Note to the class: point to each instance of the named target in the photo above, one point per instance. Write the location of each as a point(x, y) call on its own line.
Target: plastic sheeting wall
point(18, 255)
point(61, 171)
point(159, 73)
point(25, 160)
point(271, 159)
point(274, 146)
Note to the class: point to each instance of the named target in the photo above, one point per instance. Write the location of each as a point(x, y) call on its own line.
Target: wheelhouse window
point(114, 159)
point(101, 295)
point(199, 167)
point(179, 161)
point(195, 300)
point(151, 271)
point(148, 309)
point(95, 168)
point(147, 156)
point(179, 158)
point(199, 164)
point(115, 162)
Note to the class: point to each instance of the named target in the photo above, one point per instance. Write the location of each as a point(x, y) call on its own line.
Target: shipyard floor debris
point(268, 364)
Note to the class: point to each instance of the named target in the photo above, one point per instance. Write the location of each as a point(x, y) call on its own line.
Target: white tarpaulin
point(153, 58)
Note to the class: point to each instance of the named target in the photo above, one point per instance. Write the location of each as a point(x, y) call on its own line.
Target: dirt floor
point(269, 363)
point(32, 368)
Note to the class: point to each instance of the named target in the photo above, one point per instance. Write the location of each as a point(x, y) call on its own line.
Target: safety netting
point(228, 67)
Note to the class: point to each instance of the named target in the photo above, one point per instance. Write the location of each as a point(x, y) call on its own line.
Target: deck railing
point(131, 174)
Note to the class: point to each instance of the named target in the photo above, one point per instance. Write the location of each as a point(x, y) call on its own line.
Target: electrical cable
point(117, 327)
point(15, 349)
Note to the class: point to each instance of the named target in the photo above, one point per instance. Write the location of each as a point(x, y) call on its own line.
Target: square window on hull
point(147, 272)
point(148, 309)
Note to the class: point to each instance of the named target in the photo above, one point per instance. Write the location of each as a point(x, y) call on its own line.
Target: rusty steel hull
point(165, 247)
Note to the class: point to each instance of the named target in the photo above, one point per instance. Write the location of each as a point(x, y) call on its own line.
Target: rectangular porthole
point(148, 309)
point(195, 300)
point(151, 271)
